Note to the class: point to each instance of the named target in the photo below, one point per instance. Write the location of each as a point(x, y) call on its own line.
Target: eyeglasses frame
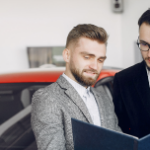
point(141, 49)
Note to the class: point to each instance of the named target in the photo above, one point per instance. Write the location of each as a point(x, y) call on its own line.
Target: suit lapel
point(75, 97)
point(142, 86)
point(99, 100)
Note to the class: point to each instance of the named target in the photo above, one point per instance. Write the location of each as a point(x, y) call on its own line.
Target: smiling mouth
point(90, 73)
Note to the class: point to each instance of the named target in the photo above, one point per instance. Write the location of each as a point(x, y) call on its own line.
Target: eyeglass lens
point(143, 46)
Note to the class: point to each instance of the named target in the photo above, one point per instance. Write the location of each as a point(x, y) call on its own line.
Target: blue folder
point(90, 137)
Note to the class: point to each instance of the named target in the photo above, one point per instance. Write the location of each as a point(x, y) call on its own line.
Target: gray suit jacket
point(52, 110)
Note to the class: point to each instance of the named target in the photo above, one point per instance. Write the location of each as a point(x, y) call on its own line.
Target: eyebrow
point(144, 42)
point(101, 57)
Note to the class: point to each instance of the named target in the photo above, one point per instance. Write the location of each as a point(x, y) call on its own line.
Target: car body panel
point(32, 75)
point(43, 75)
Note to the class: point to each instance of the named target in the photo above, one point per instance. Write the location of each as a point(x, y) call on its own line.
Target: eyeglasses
point(143, 46)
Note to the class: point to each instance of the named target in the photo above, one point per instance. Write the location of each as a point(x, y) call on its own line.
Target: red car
point(16, 90)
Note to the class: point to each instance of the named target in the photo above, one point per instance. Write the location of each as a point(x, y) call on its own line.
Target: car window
point(13, 137)
point(16, 96)
point(15, 108)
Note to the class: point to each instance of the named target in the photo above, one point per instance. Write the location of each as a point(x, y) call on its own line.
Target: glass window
point(15, 108)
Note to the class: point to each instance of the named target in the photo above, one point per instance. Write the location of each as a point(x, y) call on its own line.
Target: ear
point(66, 55)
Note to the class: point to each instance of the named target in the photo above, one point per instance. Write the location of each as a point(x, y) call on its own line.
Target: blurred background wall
point(27, 23)
point(133, 9)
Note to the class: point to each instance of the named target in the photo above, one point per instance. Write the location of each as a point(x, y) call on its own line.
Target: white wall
point(47, 23)
point(26, 23)
point(130, 30)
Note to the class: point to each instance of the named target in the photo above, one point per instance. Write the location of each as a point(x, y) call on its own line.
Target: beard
point(147, 58)
point(80, 78)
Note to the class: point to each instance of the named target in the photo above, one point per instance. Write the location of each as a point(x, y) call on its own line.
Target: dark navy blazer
point(132, 100)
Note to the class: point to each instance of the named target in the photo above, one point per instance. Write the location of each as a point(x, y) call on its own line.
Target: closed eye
point(143, 43)
point(101, 60)
point(86, 57)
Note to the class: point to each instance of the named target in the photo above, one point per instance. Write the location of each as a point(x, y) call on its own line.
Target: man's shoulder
point(49, 87)
point(130, 71)
point(44, 93)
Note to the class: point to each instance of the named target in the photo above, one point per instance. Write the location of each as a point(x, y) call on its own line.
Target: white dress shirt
point(148, 74)
point(88, 99)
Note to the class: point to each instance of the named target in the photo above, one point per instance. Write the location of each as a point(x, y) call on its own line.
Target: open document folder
point(90, 137)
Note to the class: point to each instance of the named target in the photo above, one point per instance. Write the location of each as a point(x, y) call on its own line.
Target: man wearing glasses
point(132, 87)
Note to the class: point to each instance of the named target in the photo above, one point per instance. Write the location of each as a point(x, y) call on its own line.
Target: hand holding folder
point(90, 137)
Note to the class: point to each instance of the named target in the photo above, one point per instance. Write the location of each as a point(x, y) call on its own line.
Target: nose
point(94, 64)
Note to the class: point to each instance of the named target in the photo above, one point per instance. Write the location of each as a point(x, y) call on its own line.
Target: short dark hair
point(89, 31)
point(145, 18)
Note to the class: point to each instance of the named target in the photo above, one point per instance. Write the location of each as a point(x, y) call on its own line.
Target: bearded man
point(132, 87)
point(71, 95)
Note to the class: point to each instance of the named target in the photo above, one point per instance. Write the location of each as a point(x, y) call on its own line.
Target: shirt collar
point(148, 75)
point(148, 72)
point(79, 88)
